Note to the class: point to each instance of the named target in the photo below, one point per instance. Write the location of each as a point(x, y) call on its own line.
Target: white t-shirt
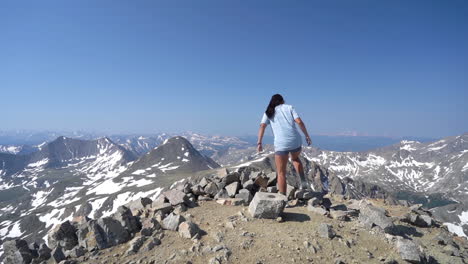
point(284, 128)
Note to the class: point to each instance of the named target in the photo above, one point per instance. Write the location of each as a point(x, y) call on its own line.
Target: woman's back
point(284, 128)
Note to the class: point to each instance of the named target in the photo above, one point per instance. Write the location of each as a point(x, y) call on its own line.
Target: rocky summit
point(176, 205)
point(197, 221)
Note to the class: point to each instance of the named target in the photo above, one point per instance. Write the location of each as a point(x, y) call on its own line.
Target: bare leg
point(281, 162)
point(299, 169)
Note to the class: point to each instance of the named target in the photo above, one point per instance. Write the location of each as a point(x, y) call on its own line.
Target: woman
point(287, 141)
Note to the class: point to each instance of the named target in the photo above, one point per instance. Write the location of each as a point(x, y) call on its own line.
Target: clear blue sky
point(377, 67)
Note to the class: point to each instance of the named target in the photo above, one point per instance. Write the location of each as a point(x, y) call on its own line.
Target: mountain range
point(69, 176)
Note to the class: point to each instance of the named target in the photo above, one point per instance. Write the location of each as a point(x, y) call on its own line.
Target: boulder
point(198, 190)
point(63, 235)
point(140, 204)
point(211, 189)
point(271, 178)
point(57, 254)
point(339, 215)
point(232, 188)
point(272, 189)
point(91, 236)
point(44, 252)
point(175, 197)
point(17, 251)
point(243, 177)
point(419, 220)
point(172, 222)
point(148, 226)
point(409, 251)
point(203, 182)
point(245, 195)
point(222, 194)
point(313, 202)
point(127, 220)
point(187, 188)
point(306, 195)
point(153, 242)
point(326, 231)
point(373, 216)
point(135, 245)
point(188, 229)
point(267, 205)
point(290, 190)
point(164, 208)
point(254, 174)
point(114, 232)
point(318, 210)
point(75, 252)
point(248, 185)
point(231, 177)
point(261, 181)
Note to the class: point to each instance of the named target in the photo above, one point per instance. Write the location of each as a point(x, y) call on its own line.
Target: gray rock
point(91, 236)
point(135, 245)
point(153, 243)
point(57, 254)
point(44, 252)
point(198, 190)
point(127, 220)
point(339, 215)
point(419, 220)
point(75, 252)
point(203, 182)
point(231, 177)
point(326, 231)
point(17, 252)
point(245, 196)
point(290, 190)
point(163, 208)
point(172, 222)
point(140, 204)
point(271, 178)
point(248, 185)
point(114, 232)
point(408, 250)
point(188, 229)
point(313, 202)
point(232, 188)
point(306, 195)
point(451, 250)
point(63, 235)
point(373, 216)
point(272, 189)
point(317, 210)
point(221, 194)
point(211, 189)
point(243, 178)
point(148, 226)
point(267, 205)
point(175, 197)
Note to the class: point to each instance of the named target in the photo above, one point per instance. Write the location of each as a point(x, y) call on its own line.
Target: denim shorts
point(286, 152)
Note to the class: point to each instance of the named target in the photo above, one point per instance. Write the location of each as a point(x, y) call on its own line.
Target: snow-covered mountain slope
point(87, 177)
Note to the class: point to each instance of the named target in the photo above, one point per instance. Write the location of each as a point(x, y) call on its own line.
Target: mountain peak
point(176, 154)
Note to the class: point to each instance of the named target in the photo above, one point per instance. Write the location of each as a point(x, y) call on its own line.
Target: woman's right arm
point(304, 130)
point(261, 131)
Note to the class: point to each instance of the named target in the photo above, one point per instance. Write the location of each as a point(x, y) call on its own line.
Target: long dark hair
point(276, 100)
